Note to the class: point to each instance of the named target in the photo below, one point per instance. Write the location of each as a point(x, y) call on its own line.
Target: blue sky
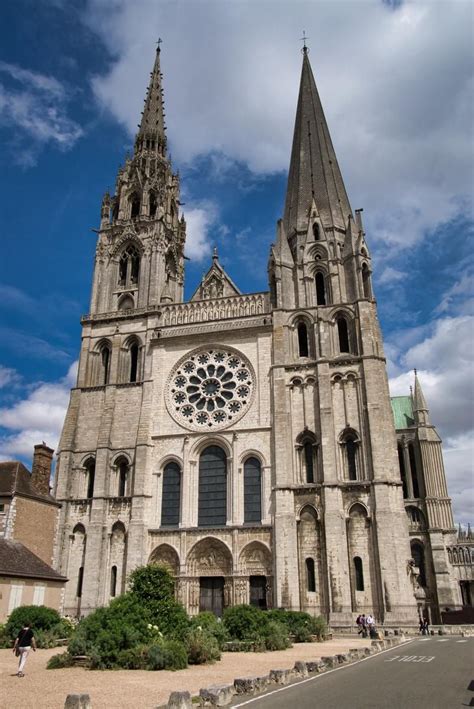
point(396, 83)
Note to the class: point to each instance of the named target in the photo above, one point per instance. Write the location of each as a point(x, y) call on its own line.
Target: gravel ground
point(122, 689)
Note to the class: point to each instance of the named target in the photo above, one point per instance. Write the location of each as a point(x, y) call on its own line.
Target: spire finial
point(158, 42)
point(303, 39)
point(215, 255)
point(415, 372)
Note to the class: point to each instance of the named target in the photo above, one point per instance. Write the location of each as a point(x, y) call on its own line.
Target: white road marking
point(411, 658)
point(424, 640)
point(461, 641)
point(443, 641)
point(311, 679)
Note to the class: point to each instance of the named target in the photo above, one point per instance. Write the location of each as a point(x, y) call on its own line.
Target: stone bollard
point(301, 668)
point(180, 700)
point(78, 701)
point(250, 685)
point(281, 676)
point(342, 658)
point(330, 661)
point(218, 695)
point(315, 666)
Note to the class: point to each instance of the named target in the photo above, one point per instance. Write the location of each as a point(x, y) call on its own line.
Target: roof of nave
point(402, 408)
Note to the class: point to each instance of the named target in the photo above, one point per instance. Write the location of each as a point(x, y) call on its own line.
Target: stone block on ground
point(315, 666)
point(180, 700)
point(250, 685)
point(281, 676)
point(330, 661)
point(218, 695)
point(78, 701)
point(343, 657)
point(301, 668)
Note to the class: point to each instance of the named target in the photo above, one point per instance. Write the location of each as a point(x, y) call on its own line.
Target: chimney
point(41, 468)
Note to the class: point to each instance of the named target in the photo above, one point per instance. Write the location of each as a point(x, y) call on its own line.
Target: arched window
point(129, 266)
point(359, 573)
point(80, 580)
point(418, 554)
point(252, 491)
point(320, 289)
point(316, 231)
point(90, 477)
point(134, 206)
point(414, 471)
point(303, 349)
point(351, 445)
point(126, 303)
point(171, 495)
point(366, 281)
point(310, 576)
point(212, 505)
point(343, 334)
point(403, 475)
point(308, 453)
point(134, 362)
point(113, 581)
point(122, 476)
point(105, 363)
point(153, 204)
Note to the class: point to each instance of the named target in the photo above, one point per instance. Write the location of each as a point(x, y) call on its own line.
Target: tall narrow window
point(129, 266)
point(403, 475)
point(366, 281)
point(310, 576)
point(359, 573)
point(153, 204)
point(122, 469)
point(303, 340)
point(316, 231)
point(134, 206)
point(113, 581)
point(171, 495)
point(308, 451)
point(212, 505)
point(351, 454)
point(343, 334)
point(252, 491)
point(320, 289)
point(90, 468)
point(134, 362)
point(105, 361)
point(418, 554)
point(414, 470)
point(273, 290)
point(80, 579)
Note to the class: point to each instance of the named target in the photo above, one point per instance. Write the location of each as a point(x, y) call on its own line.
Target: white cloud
point(200, 219)
point(390, 275)
point(35, 104)
point(38, 417)
point(398, 100)
point(8, 376)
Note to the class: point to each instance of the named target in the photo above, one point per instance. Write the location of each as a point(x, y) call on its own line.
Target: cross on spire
point(303, 39)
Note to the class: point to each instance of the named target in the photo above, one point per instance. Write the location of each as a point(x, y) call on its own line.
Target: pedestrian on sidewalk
point(362, 623)
point(24, 641)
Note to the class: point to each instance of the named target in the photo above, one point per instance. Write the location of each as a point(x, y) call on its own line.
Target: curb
point(221, 695)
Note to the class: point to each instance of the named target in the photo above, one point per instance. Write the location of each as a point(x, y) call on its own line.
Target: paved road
point(428, 673)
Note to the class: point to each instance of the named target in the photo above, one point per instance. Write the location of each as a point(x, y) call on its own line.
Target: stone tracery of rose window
point(210, 389)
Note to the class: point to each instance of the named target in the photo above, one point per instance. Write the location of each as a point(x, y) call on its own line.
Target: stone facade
point(246, 441)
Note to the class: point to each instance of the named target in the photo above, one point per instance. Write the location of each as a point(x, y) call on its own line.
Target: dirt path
point(122, 689)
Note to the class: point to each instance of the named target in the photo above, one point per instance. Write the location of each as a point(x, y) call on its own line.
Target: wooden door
point(258, 591)
point(211, 597)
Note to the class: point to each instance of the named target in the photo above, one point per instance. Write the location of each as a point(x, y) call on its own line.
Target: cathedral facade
point(246, 441)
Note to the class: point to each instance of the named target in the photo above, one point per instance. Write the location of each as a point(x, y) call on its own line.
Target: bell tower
point(140, 247)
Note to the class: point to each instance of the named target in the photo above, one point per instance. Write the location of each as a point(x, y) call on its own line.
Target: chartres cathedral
point(247, 441)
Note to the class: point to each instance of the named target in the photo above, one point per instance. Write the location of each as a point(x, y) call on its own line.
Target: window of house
point(38, 595)
point(359, 573)
point(212, 504)
point(16, 592)
point(310, 576)
point(171, 495)
point(252, 491)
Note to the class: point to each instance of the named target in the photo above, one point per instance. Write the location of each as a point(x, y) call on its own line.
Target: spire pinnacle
point(314, 171)
point(420, 407)
point(151, 131)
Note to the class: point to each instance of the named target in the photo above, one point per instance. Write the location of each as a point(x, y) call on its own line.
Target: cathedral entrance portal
point(258, 592)
point(211, 594)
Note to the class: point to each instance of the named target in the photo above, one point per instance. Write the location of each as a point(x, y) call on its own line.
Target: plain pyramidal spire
point(420, 406)
point(151, 131)
point(314, 172)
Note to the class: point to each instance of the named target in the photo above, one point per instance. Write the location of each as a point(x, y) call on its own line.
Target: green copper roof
point(402, 411)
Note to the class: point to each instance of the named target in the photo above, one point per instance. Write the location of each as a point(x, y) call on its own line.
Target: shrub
point(245, 622)
point(153, 587)
point(39, 617)
point(5, 640)
point(134, 658)
point(57, 662)
point(320, 628)
point(167, 655)
point(46, 638)
point(276, 637)
point(209, 622)
point(202, 647)
point(301, 626)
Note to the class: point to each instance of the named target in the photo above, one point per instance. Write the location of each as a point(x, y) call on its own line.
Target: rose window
point(210, 389)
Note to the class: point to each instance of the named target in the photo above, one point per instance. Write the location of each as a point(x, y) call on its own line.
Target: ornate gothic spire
point(151, 131)
point(420, 407)
point(314, 172)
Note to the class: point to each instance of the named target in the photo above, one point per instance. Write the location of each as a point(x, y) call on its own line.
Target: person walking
point(24, 641)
